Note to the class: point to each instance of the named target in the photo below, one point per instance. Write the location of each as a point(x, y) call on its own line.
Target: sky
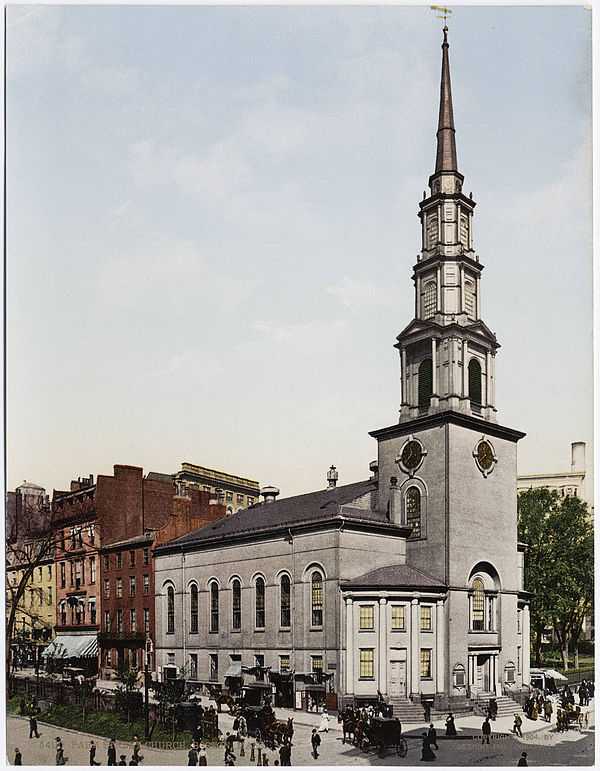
point(212, 223)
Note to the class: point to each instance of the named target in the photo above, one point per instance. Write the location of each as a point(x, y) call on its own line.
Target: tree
point(558, 565)
point(127, 699)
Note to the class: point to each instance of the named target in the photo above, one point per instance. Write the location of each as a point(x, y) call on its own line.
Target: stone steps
point(506, 706)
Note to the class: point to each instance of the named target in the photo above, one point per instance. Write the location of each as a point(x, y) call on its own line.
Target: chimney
point(269, 493)
point(578, 456)
point(332, 477)
point(374, 469)
point(395, 510)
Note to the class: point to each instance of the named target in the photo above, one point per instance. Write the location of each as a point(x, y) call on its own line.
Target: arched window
point(458, 676)
point(260, 602)
point(286, 605)
point(470, 299)
point(413, 511)
point(170, 610)
point(477, 615)
point(214, 607)
point(475, 381)
point(236, 617)
point(425, 382)
point(317, 599)
point(509, 673)
point(429, 300)
point(193, 608)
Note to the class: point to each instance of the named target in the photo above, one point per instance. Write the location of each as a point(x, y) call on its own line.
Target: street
point(543, 748)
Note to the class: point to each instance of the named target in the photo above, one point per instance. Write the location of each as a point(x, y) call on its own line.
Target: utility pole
point(148, 653)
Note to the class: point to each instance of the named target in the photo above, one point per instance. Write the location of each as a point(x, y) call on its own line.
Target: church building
point(409, 582)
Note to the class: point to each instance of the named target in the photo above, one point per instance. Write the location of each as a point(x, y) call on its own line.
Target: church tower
point(447, 352)
point(447, 468)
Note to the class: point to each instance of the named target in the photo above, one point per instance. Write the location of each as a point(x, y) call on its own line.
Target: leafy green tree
point(128, 678)
point(558, 566)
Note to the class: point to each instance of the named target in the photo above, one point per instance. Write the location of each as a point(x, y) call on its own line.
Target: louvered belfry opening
point(425, 382)
point(475, 381)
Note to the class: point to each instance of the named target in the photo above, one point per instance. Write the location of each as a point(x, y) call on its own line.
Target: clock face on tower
point(411, 456)
point(485, 457)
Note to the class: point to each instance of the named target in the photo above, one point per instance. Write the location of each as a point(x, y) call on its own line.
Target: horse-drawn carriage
point(572, 716)
point(383, 734)
point(263, 725)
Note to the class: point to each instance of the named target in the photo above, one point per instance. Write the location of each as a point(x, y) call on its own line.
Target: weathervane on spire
point(444, 11)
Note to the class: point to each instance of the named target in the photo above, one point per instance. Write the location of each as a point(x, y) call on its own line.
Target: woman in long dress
point(324, 722)
point(450, 727)
point(426, 751)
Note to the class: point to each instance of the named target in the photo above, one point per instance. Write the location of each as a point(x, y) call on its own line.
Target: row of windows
point(38, 593)
point(118, 557)
point(259, 661)
point(77, 572)
point(74, 538)
point(227, 495)
point(119, 657)
point(398, 618)
point(77, 612)
point(132, 586)
point(117, 618)
point(425, 382)
point(430, 299)
point(260, 618)
point(367, 656)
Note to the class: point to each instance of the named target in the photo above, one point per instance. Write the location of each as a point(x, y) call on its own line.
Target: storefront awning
point(72, 646)
point(311, 687)
point(235, 669)
point(264, 686)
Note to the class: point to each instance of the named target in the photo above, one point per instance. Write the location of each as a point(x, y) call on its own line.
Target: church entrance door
point(483, 673)
point(397, 684)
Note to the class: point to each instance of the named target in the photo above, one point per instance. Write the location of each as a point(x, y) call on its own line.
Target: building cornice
point(442, 418)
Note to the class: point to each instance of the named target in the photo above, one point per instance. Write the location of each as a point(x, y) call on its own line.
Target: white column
point(418, 297)
point(415, 651)
point(440, 647)
point(488, 379)
point(465, 378)
point(462, 308)
point(403, 392)
point(525, 645)
point(349, 646)
point(383, 652)
point(492, 380)
point(434, 366)
point(439, 288)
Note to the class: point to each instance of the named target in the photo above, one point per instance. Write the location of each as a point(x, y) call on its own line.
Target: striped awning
point(73, 646)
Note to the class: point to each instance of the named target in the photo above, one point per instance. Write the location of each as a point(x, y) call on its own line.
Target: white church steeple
point(447, 352)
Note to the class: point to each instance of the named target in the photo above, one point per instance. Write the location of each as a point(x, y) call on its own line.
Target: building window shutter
point(425, 382)
point(475, 381)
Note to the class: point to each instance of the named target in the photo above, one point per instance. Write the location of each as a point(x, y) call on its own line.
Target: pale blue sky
point(212, 224)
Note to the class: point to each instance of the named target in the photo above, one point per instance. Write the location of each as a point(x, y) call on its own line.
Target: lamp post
point(148, 653)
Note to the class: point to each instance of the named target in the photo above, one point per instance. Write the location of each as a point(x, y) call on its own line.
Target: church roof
point(396, 576)
point(311, 508)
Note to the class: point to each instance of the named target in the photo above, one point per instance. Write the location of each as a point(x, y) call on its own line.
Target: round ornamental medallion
point(412, 454)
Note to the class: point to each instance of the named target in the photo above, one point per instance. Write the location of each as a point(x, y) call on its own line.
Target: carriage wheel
point(402, 748)
point(364, 745)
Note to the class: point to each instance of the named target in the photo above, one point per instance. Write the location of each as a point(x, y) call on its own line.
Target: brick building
point(235, 492)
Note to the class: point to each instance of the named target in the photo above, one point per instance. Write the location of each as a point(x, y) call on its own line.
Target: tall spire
point(446, 144)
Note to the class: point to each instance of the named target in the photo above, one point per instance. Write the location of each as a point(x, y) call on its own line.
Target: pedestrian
point(136, 749)
point(285, 754)
point(122, 760)
point(486, 730)
point(33, 728)
point(133, 761)
point(112, 753)
point(315, 740)
point(18, 758)
point(60, 755)
point(450, 727)
point(517, 725)
point(324, 726)
point(548, 711)
point(522, 759)
point(192, 755)
point(93, 761)
point(243, 728)
point(582, 694)
point(202, 755)
point(229, 756)
point(432, 736)
point(426, 751)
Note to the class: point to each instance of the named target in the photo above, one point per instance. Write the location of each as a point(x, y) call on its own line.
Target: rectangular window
point(119, 561)
point(146, 556)
point(132, 620)
point(239, 498)
point(518, 621)
point(425, 663)
point(250, 501)
point(398, 617)
point(72, 531)
point(146, 620)
point(146, 584)
point(170, 658)
point(317, 663)
point(119, 621)
point(107, 621)
point(366, 617)
point(63, 613)
point(72, 567)
point(63, 575)
point(106, 587)
point(214, 665)
point(39, 574)
point(491, 623)
point(193, 666)
point(132, 558)
point(106, 562)
point(366, 664)
point(229, 495)
point(109, 657)
point(133, 657)
point(284, 663)
point(49, 571)
point(132, 586)
point(92, 533)
point(207, 488)
point(119, 588)
point(49, 595)
point(92, 609)
point(426, 618)
point(92, 570)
